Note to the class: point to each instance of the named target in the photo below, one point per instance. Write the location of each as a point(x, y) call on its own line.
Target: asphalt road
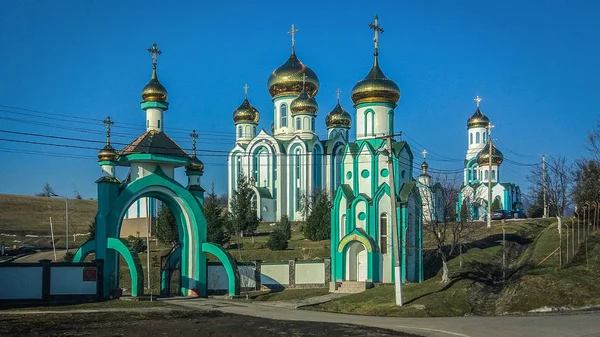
point(45, 255)
point(581, 324)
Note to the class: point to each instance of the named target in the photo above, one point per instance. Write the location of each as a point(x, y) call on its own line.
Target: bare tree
point(593, 142)
point(448, 234)
point(558, 181)
point(47, 191)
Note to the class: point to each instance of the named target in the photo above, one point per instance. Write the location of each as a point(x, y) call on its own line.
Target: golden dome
point(287, 79)
point(304, 104)
point(483, 158)
point(154, 91)
point(108, 153)
point(424, 166)
point(478, 119)
point(375, 88)
point(338, 118)
point(246, 113)
point(195, 164)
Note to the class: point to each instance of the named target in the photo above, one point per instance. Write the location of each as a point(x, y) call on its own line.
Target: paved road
point(583, 324)
point(45, 255)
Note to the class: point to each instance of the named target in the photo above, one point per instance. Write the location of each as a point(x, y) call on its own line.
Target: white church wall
point(342, 218)
point(360, 211)
point(348, 173)
point(382, 164)
point(364, 172)
point(371, 121)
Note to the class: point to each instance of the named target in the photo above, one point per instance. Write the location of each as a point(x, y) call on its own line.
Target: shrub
point(277, 240)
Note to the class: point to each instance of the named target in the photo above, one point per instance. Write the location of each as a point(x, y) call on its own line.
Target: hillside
point(24, 217)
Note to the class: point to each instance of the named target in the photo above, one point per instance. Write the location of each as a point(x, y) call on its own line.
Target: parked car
point(499, 214)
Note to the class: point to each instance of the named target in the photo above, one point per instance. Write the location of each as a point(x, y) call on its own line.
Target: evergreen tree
point(496, 205)
point(277, 239)
point(587, 181)
point(216, 219)
point(318, 221)
point(92, 229)
point(286, 226)
point(166, 227)
point(243, 210)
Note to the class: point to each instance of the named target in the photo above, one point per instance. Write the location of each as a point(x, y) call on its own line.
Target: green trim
point(231, 268)
point(107, 162)
point(164, 159)
point(133, 263)
point(84, 250)
point(362, 105)
point(385, 172)
point(364, 173)
point(152, 104)
point(357, 235)
point(362, 216)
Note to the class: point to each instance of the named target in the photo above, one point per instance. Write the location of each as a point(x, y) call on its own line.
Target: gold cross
point(293, 32)
point(194, 136)
point(375, 27)
point(246, 86)
point(338, 92)
point(155, 52)
point(477, 100)
point(424, 154)
point(108, 122)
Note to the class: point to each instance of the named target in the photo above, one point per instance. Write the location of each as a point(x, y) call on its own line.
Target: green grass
point(111, 304)
point(288, 294)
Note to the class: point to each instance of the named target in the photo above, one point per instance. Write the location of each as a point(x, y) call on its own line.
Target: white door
point(361, 261)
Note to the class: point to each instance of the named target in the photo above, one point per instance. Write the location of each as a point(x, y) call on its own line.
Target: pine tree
point(496, 205)
point(166, 227)
point(216, 219)
point(318, 222)
point(277, 239)
point(285, 226)
point(243, 210)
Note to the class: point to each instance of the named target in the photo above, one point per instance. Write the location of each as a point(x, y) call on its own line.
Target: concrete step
point(349, 286)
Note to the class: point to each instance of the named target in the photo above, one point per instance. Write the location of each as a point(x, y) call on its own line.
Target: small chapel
point(482, 167)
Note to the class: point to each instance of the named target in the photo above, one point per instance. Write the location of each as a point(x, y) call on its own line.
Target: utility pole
point(395, 231)
point(148, 240)
point(490, 144)
point(544, 185)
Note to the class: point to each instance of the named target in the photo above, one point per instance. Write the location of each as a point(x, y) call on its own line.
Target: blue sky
point(535, 63)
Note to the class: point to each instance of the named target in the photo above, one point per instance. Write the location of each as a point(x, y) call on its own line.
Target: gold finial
point(424, 154)
point(108, 122)
point(155, 52)
point(477, 100)
point(293, 32)
point(375, 27)
point(246, 86)
point(194, 136)
point(337, 93)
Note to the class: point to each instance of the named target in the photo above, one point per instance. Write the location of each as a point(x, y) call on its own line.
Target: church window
point(484, 137)
point(159, 123)
point(477, 137)
point(312, 125)
point(147, 123)
point(486, 174)
point(471, 138)
point(402, 174)
point(493, 174)
point(254, 130)
point(283, 115)
point(343, 226)
point(239, 132)
point(383, 233)
point(298, 127)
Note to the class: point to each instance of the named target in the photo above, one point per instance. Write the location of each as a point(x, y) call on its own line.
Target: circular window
point(385, 172)
point(349, 175)
point(364, 173)
point(361, 216)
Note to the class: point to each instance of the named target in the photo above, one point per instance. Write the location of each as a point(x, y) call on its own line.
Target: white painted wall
point(379, 122)
point(153, 116)
point(68, 280)
point(310, 273)
point(20, 283)
point(275, 274)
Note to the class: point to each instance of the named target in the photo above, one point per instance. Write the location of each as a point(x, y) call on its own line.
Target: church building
point(362, 248)
point(480, 169)
point(290, 162)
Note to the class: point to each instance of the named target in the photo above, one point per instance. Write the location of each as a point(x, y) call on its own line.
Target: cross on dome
point(377, 29)
point(246, 86)
point(194, 136)
point(477, 100)
point(337, 93)
point(155, 52)
point(293, 32)
point(424, 154)
point(108, 122)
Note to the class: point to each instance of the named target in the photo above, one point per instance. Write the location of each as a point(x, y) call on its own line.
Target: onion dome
point(424, 167)
point(246, 113)
point(478, 120)
point(338, 118)
point(287, 79)
point(195, 164)
point(483, 158)
point(375, 88)
point(304, 104)
point(108, 153)
point(154, 91)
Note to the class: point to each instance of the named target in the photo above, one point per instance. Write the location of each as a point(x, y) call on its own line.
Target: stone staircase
point(349, 287)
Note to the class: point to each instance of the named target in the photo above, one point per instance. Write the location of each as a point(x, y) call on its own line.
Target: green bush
point(277, 240)
point(285, 226)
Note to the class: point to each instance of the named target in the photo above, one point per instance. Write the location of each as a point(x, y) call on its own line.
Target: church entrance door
point(361, 265)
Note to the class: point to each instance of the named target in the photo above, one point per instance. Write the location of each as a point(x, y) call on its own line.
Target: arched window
point(298, 127)
point(471, 138)
point(484, 137)
point(297, 177)
point(306, 125)
point(284, 115)
point(254, 130)
point(343, 226)
point(239, 132)
point(477, 137)
point(486, 174)
point(383, 233)
point(493, 174)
